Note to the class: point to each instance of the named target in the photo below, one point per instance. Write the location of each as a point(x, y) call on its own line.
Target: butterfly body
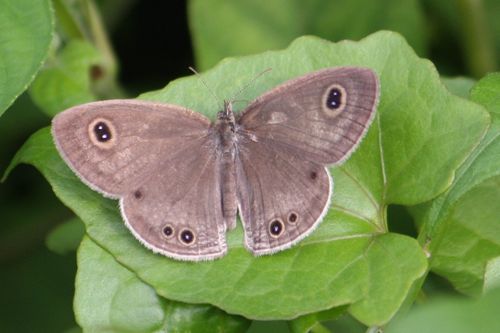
point(225, 130)
point(183, 180)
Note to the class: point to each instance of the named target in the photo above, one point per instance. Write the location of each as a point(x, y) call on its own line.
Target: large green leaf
point(25, 34)
point(421, 135)
point(233, 28)
point(109, 298)
point(462, 226)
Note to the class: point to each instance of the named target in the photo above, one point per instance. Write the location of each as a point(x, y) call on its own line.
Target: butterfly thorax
point(225, 127)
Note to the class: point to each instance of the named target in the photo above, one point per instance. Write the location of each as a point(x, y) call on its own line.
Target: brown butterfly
point(181, 179)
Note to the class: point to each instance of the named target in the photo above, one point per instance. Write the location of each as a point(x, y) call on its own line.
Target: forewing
point(322, 116)
point(142, 135)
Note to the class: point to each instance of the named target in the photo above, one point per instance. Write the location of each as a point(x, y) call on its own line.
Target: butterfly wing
point(287, 137)
point(322, 116)
point(178, 212)
point(282, 197)
point(154, 157)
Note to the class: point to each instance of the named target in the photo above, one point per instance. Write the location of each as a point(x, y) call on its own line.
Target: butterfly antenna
point(250, 83)
point(217, 99)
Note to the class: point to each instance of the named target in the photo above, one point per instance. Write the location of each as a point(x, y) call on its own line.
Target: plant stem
point(99, 36)
point(108, 86)
point(66, 21)
point(477, 37)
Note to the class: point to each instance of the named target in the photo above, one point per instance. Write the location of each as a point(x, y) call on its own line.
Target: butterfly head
point(227, 114)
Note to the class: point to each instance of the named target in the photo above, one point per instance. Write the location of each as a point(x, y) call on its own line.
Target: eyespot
point(168, 231)
point(102, 133)
point(276, 228)
point(187, 237)
point(138, 194)
point(334, 99)
point(293, 217)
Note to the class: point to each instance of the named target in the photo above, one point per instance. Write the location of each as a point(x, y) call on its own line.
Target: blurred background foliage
point(120, 48)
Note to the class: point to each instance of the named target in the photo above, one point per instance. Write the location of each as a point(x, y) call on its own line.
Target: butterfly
point(182, 179)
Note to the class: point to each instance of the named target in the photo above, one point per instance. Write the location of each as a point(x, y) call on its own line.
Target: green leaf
point(232, 28)
point(486, 92)
point(492, 274)
point(462, 226)
point(110, 298)
point(66, 80)
point(452, 315)
point(66, 237)
point(459, 86)
point(25, 35)
point(305, 324)
point(421, 135)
